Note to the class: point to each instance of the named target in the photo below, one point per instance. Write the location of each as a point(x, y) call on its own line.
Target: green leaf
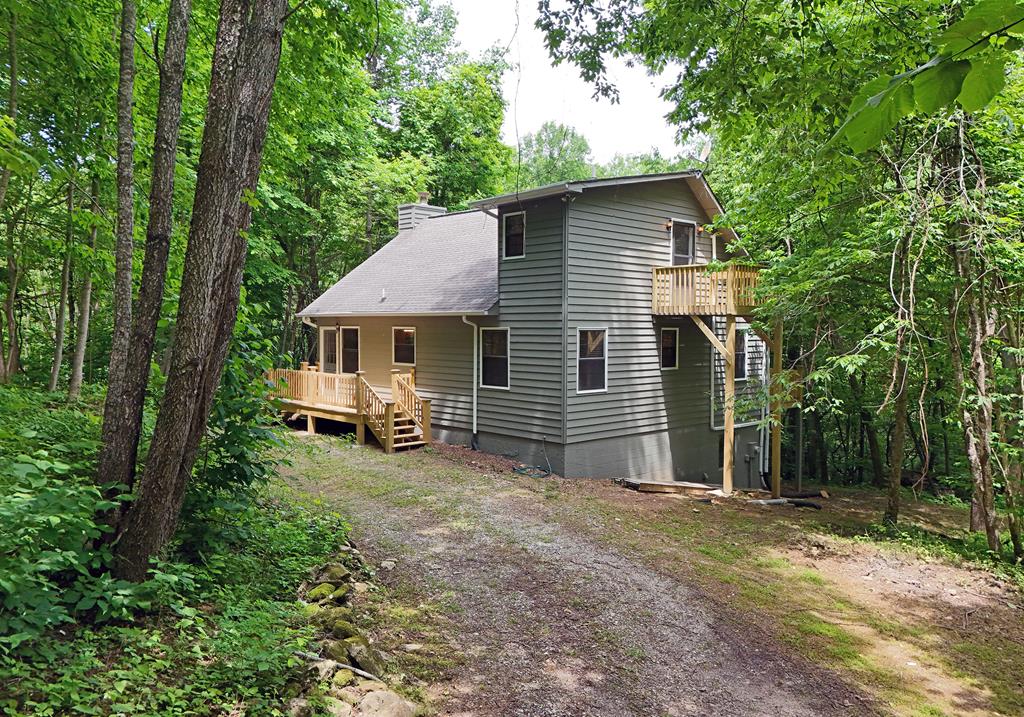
point(986, 78)
point(983, 18)
point(938, 86)
point(887, 102)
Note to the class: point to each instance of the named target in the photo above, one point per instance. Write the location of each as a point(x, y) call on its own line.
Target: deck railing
point(310, 386)
point(697, 290)
point(380, 414)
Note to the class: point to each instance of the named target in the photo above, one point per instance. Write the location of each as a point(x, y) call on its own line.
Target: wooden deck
point(695, 290)
point(401, 421)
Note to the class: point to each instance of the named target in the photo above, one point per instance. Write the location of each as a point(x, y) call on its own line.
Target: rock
point(387, 564)
point(364, 656)
point(310, 609)
point(342, 629)
point(334, 573)
point(341, 593)
point(343, 678)
point(298, 707)
point(320, 592)
point(326, 616)
point(385, 703)
point(325, 668)
point(337, 708)
point(347, 694)
point(364, 685)
point(337, 650)
point(412, 647)
point(360, 587)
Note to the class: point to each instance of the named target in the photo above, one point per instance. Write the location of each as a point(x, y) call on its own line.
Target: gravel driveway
point(548, 619)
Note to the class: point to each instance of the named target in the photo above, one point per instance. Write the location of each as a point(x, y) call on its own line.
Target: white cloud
point(538, 92)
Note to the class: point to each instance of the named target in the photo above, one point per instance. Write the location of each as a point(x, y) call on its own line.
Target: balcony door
point(684, 240)
point(349, 349)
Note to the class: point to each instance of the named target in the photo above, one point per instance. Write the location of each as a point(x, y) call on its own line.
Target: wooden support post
point(394, 381)
point(729, 454)
point(360, 410)
point(776, 375)
point(426, 421)
point(310, 424)
point(389, 427)
point(304, 366)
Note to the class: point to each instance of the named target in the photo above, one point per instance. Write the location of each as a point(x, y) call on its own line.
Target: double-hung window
point(403, 346)
point(669, 346)
point(591, 360)
point(741, 355)
point(513, 235)
point(494, 357)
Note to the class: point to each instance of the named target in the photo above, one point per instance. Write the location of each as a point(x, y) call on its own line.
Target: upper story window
point(591, 360)
point(494, 357)
point(513, 235)
point(742, 355)
point(669, 348)
point(403, 345)
point(684, 237)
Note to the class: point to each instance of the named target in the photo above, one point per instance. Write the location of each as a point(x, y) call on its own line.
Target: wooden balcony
point(695, 290)
point(401, 420)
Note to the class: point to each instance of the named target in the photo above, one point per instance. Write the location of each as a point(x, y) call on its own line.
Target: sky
point(636, 124)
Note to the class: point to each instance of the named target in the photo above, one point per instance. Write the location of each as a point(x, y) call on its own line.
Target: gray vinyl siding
point(748, 392)
point(615, 237)
point(530, 305)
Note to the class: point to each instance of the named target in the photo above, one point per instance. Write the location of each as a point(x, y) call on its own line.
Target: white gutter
point(476, 336)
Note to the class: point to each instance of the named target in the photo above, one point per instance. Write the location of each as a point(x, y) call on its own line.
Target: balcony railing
point(697, 290)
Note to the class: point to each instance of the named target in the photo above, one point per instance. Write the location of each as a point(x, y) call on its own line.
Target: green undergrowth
point(223, 642)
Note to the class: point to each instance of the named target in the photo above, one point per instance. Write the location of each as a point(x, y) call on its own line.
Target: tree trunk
point(9, 362)
point(12, 98)
point(84, 302)
point(245, 61)
point(122, 417)
point(125, 208)
point(65, 280)
point(899, 434)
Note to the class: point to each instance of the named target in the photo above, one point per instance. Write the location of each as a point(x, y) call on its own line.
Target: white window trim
point(504, 220)
point(415, 346)
point(359, 348)
point(508, 357)
point(672, 241)
point(715, 357)
point(674, 329)
point(337, 348)
point(579, 330)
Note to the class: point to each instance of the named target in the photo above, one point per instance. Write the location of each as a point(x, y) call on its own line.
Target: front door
point(329, 350)
point(684, 236)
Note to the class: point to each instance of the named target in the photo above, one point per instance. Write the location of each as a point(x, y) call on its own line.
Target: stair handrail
point(379, 413)
point(407, 399)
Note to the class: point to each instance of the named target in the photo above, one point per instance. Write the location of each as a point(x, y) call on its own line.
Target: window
point(513, 235)
point(349, 349)
point(329, 350)
point(591, 360)
point(403, 346)
point(741, 355)
point(494, 358)
point(683, 236)
point(669, 348)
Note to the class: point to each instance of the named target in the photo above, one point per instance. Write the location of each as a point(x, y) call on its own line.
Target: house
point(576, 325)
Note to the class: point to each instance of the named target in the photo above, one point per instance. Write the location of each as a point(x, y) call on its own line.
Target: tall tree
point(122, 417)
point(85, 297)
point(245, 63)
point(553, 153)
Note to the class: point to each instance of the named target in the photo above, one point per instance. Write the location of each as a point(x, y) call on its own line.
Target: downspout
point(474, 442)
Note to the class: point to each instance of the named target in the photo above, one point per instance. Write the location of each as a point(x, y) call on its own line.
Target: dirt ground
point(505, 595)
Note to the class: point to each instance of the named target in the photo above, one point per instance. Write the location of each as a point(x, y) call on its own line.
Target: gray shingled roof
point(445, 265)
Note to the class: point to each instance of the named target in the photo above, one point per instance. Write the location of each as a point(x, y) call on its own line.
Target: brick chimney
point(410, 215)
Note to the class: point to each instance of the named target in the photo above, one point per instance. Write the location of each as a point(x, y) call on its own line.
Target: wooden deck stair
point(399, 421)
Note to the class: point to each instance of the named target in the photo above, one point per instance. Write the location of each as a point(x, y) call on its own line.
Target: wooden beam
point(776, 374)
point(729, 454)
point(726, 354)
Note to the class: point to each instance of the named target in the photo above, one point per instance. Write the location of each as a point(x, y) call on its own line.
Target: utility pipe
point(474, 444)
